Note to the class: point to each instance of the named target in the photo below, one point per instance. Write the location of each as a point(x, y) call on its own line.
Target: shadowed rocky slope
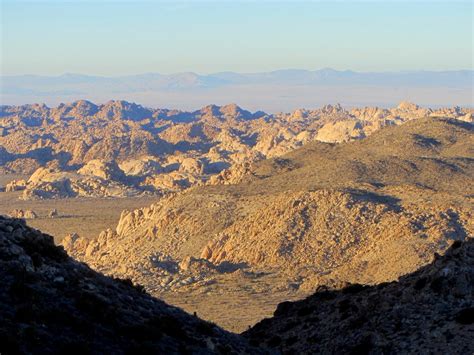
point(429, 311)
point(53, 304)
point(326, 214)
point(50, 303)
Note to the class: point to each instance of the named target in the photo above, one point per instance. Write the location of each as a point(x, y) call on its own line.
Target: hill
point(366, 212)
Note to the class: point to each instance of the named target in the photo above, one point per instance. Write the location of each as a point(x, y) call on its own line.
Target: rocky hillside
point(69, 148)
point(365, 211)
point(53, 304)
point(429, 311)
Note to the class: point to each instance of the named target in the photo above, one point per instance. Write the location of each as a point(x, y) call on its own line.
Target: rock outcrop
point(341, 131)
point(96, 179)
point(53, 213)
point(15, 185)
point(107, 170)
point(25, 214)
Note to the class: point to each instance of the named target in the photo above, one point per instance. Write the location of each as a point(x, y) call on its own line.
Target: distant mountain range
point(281, 90)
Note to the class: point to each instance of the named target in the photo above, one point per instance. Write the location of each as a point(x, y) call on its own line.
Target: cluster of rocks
point(95, 179)
point(25, 214)
point(159, 271)
point(15, 185)
point(30, 214)
point(163, 150)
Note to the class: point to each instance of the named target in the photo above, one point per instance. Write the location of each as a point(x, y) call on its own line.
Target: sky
point(113, 38)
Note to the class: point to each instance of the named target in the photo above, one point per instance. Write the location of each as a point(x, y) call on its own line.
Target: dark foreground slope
point(429, 311)
point(50, 303)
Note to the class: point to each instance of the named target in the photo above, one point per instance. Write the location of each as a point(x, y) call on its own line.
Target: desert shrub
point(364, 346)
point(305, 311)
point(169, 326)
point(129, 283)
point(354, 288)
point(437, 284)
point(291, 340)
point(75, 347)
point(290, 325)
point(283, 308)
point(206, 328)
point(274, 341)
point(420, 283)
point(141, 332)
point(465, 316)
point(20, 291)
point(358, 322)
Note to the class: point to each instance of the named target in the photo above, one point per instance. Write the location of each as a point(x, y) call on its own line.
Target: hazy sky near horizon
point(125, 37)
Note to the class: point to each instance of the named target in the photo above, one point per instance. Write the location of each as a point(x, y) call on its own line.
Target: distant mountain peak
point(283, 89)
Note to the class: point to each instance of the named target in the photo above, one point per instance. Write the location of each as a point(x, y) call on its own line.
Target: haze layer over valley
point(280, 90)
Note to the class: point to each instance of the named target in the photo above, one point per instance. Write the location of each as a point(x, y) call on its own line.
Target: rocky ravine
point(122, 149)
point(53, 304)
point(366, 211)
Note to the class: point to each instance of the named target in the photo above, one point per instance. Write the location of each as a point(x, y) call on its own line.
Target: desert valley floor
point(84, 216)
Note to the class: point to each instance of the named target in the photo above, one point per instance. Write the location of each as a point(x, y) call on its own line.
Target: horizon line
point(405, 71)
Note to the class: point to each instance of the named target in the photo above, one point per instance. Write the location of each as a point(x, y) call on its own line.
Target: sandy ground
point(84, 216)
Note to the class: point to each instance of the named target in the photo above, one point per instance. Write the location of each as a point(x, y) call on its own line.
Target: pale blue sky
point(125, 37)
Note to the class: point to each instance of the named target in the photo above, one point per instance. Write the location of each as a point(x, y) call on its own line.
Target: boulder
point(192, 166)
point(25, 214)
point(15, 185)
point(341, 131)
point(108, 170)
